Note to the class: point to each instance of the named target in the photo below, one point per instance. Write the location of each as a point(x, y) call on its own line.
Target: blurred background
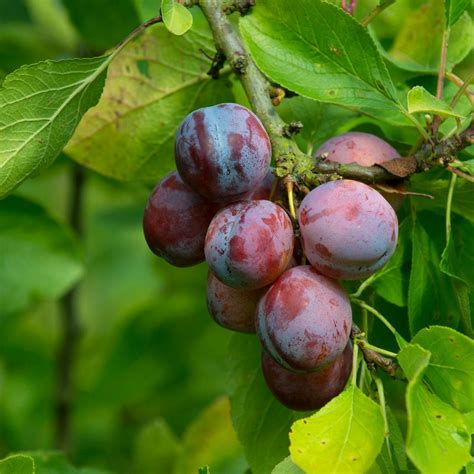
point(105, 350)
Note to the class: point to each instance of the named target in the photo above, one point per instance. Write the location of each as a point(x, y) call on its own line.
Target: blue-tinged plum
point(249, 244)
point(175, 222)
point(304, 319)
point(307, 391)
point(363, 149)
point(222, 152)
point(348, 230)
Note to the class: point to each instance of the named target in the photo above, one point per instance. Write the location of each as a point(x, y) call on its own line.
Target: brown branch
point(305, 171)
point(70, 330)
point(372, 358)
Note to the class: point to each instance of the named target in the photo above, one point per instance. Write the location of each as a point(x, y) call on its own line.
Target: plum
point(175, 222)
point(348, 230)
point(249, 244)
point(307, 391)
point(232, 308)
point(304, 319)
point(364, 149)
point(222, 152)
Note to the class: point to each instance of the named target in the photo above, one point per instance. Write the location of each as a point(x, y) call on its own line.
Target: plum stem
point(291, 200)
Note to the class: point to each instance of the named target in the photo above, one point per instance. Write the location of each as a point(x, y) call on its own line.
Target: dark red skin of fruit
point(348, 230)
point(175, 222)
point(307, 391)
point(249, 244)
point(304, 319)
point(222, 152)
point(364, 149)
point(232, 308)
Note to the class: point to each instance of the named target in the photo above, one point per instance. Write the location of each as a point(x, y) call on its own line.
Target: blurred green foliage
point(151, 366)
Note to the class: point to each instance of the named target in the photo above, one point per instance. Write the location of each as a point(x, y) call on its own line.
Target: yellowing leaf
point(344, 436)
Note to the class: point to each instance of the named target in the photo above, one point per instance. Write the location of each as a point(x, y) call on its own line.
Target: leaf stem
point(377, 349)
point(449, 205)
point(367, 282)
point(355, 355)
point(383, 409)
point(369, 308)
point(463, 86)
point(441, 74)
point(463, 89)
point(376, 11)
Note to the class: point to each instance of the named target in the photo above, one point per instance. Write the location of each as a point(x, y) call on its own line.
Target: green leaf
point(390, 282)
point(149, 90)
point(454, 9)
point(457, 260)
point(287, 466)
point(437, 437)
point(101, 23)
point(320, 52)
point(17, 464)
point(176, 17)
point(420, 100)
point(52, 462)
point(344, 436)
point(40, 257)
point(451, 367)
point(417, 46)
point(156, 448)
point(261, 422)
point(211, 440)
point(432, 296)
point(432, 183)
point(320, 121)
point(204, 470)
point(147, 8)
point(40, 106)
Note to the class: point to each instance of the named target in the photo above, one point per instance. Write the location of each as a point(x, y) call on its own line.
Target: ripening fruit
point(249, 244)
point(348, 230)
point(176, 221)
point(222, 152)
point(311, 390)
point(232, 308)
point(364, 149)
point(304, 319)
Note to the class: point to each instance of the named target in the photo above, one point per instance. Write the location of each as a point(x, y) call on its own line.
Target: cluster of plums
point(216, 208)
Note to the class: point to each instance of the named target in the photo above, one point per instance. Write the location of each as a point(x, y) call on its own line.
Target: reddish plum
point(304, 319)
point(307, 391)
point(348, 229)
point(222, 152)
point(175, 222)
point(249, 244)
point(364, 149)
point(232, 308)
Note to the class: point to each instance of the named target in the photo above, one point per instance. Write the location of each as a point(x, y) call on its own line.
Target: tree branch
point(304, 170)
point(373, 358)
point(70, 330)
